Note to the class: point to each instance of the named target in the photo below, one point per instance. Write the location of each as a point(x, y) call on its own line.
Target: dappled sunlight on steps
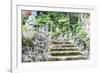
point(65, 51)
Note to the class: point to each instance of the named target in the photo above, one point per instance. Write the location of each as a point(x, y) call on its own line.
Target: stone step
point(60, 42)
point(63, 46)
point(76, 51)
point(65, 54)
point(64, 49)
point(67, 45)
point(61, 58)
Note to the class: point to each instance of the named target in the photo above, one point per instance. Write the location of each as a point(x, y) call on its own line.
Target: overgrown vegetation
point(63, 26)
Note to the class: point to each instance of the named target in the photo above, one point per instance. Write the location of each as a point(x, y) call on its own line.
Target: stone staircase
point(61, 51)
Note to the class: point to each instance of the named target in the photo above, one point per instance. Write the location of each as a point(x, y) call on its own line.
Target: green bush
point(24, 19)
point(26, 42)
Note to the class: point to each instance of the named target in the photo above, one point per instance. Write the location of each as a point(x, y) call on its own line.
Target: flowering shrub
point(39, 49)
